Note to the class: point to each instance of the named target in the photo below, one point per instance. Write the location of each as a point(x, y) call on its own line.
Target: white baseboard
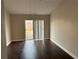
point(71, 54)
point(9, 43)
point(19, 40)
point(26, 40)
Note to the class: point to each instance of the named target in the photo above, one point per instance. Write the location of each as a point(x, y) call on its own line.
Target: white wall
point(63, 29)
point(7, 27)
point(18, 25)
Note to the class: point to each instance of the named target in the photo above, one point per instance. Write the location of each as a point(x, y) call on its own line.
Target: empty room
point(39, 29)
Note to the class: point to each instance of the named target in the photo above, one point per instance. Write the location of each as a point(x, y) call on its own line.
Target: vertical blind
point(38, 29)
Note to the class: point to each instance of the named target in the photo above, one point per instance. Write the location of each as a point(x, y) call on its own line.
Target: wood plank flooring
point(36, 50)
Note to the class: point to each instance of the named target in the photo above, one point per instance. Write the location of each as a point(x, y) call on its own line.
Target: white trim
point(9, 43)
point(26, 40)
point(71, 54)
point(19, 40)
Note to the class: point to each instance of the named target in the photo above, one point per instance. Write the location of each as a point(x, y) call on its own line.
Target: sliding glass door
point(34, 29)
point(28, 29)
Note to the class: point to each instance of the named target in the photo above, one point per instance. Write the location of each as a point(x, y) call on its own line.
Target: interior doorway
point(28, 29)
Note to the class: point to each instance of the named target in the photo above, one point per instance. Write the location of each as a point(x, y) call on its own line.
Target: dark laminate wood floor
point(36, 50)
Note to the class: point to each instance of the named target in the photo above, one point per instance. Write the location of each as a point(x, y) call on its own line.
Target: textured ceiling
point(31, 6)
